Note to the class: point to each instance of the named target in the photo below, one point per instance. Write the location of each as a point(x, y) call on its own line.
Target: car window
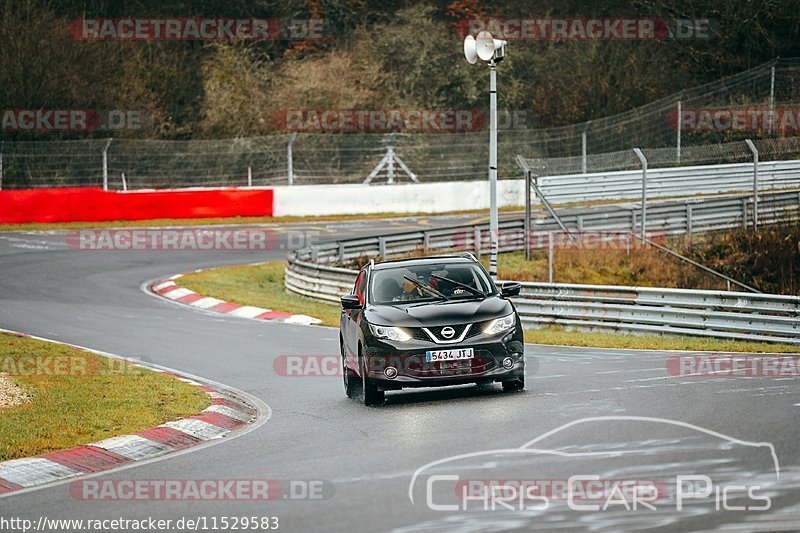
point(360, 285)
point(390, 285)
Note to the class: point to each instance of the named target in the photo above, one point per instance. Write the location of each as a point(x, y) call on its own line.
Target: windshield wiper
point(428, 288)
point(473, 290)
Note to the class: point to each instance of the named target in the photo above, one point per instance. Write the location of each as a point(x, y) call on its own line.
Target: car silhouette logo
point(448, 332)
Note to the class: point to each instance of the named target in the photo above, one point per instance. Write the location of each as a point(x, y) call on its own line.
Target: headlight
point(389, 333)
point(501, 324)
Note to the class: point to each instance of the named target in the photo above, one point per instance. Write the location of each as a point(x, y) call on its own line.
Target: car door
point(351, 319)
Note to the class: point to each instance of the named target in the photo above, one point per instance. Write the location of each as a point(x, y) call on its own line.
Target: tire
point(514, 385)
point(370, 392)
point(351, 382)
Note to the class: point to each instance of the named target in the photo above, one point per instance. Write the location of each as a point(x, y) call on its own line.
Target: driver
point(412, 291)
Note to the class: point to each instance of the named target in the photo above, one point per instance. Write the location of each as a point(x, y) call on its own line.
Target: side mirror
point(351, 301)
point(510, 289)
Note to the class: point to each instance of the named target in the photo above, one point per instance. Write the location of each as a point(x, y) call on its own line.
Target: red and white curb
point(230, 413)
point(167, 288)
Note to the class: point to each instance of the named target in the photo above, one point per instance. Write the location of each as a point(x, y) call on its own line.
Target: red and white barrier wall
point(87, 204)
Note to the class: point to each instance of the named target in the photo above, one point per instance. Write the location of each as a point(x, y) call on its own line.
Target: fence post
point(643, 161)
point(124, 183)
point(105, 164)
point(527, 216)
point(755, 182)
point(771, 99)
point(689, 220)
point(679, 128)
point(390, 164)
point(2, 145)
point(550, 256)
point(744, 212)
point(289, 161)
point(249, 176)
point(583, 149)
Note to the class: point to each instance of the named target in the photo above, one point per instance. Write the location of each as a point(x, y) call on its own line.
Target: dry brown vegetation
point(768, 260)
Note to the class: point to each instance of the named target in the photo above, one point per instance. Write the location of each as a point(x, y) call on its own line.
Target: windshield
point(436, 281)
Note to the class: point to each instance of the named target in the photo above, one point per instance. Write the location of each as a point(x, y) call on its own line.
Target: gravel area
point(10, 394)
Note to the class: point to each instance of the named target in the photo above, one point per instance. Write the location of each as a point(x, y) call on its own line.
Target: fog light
point(390, 372)
point(508, 363)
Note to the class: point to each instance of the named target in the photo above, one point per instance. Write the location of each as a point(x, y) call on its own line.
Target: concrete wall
point(299, 200)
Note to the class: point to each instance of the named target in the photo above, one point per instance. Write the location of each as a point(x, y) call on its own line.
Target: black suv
point(429, 322)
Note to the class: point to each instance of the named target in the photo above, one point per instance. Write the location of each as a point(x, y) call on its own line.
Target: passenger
point(462, 276)
point(411, 292)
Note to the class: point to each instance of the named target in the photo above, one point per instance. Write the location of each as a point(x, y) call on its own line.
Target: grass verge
point(78, 397)
point(560, 336)
point(262, 286)
point(258, 285)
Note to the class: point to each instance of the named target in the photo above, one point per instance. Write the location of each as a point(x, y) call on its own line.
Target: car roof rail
point(469, 255)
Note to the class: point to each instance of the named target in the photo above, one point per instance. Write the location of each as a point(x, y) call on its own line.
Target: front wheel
point(351, 383)
point(372, 395)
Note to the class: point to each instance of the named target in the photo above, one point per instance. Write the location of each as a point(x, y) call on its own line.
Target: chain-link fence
point(696, 126)
point(769, 149)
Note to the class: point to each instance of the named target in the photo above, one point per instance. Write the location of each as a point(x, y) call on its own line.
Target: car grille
point(475, 329)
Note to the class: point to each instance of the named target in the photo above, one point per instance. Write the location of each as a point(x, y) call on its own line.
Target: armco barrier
point(87, 204)
point(724, 314)
point(670, 182)
point(315, 272)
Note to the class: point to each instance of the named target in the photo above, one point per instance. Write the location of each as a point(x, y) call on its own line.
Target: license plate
point(449, 355)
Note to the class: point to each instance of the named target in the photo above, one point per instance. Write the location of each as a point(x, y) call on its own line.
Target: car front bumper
point(412, 370)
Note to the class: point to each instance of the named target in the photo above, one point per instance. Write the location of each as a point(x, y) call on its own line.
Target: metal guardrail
point(722, 314)
point(670, 182)
point(684, 217)
point(315, 272)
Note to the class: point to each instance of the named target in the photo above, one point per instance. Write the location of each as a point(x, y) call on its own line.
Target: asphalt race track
point(366, 458)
